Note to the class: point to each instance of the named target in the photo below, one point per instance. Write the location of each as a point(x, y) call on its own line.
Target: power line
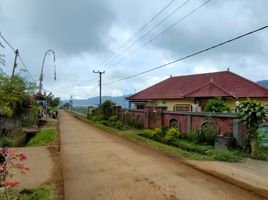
point(161, 33)
point(23, 63)
point(157, 25)
point(10, 46)
point(191, 55)
point(17, 53)
point(140, 30)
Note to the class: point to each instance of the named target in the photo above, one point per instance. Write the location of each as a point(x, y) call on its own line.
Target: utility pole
point(15, 62)
point(100, 74)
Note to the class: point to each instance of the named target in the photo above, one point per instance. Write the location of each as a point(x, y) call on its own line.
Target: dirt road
point(102, 166)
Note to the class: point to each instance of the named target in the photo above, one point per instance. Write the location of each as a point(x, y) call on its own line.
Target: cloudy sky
point(89, 35)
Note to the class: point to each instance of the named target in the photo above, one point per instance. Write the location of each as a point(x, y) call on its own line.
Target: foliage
point(224, 155)
point(203, 135)
point(113, 119)
point(43, 192)
point(171, 134)
point(44, 137)
point(14, 93)
point(14, 138)
point(190, 146)
point(106, 109)
point(9, 159)
point(251, 113)
point(52, 101)
point(216, 105)
point(164, 134)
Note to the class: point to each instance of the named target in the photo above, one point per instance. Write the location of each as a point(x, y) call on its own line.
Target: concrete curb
point(262, 191)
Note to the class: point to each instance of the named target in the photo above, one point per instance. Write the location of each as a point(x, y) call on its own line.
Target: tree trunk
point(253, 144)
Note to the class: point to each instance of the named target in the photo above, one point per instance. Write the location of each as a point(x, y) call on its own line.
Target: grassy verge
point(180, 148)
point(43, 137)
point(43, 192)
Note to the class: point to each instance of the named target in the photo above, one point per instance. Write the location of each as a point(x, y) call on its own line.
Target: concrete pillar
point(237, 132)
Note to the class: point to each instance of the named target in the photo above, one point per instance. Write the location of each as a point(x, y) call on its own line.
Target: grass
point(43, 137)
point(51, 123)
point(43, 192)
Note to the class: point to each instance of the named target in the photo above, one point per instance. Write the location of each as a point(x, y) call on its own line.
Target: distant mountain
point(95, 101)
point(263, 83)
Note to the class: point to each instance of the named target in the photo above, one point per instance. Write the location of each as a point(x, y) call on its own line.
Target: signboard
point(263, 135)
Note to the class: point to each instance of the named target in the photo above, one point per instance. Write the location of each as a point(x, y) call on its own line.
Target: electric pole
point(15, 62)
point(100, 74)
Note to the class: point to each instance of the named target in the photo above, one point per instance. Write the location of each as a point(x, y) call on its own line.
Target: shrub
point(204, 135)
point(149, 133)
point(106, 109)
point(216, 105)
point(171, 134)
point(113, 119)
point(208, 135)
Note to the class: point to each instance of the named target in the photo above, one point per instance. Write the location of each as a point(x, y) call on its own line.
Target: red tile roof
point(221, 84)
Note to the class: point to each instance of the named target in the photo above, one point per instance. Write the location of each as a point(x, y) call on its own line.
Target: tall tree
point(251, 113)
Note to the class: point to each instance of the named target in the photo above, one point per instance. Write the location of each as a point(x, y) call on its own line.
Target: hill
point(263, 83)
point(120, 100)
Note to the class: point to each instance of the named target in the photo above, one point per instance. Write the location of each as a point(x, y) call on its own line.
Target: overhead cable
point(191, 55)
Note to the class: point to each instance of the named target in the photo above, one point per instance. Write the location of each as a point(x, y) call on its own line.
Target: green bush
point(217, 105)
point(113, 119)
point(171, 134)
point(209, 135)
point(202, 135)
point(118, 125)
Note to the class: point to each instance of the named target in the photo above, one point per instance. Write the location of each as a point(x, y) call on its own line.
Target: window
point(183, 107)
point(140, 107)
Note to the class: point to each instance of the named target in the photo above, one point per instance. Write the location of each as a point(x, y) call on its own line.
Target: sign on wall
point(263, 135)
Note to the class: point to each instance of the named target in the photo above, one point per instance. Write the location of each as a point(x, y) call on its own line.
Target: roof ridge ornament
point(211, 79)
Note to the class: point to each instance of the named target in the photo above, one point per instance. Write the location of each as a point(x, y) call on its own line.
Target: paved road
point(101, 166)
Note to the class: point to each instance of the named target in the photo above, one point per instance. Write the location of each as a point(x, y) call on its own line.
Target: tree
point(251, 113)
point(106, 109)
point(52, 101)
point(216, 105)
point(14, 93)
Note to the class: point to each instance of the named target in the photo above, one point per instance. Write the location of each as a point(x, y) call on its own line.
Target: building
point(192, 92)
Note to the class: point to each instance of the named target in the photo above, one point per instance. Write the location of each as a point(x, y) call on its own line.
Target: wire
point(1, 45)
point(191, 55)
point(22, 62)
point(155, 26)
point(10, 46)
point(20, 58)
point(163, 32)
point(140, 30)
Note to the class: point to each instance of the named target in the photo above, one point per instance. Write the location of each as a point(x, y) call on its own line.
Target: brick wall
point(227, 123)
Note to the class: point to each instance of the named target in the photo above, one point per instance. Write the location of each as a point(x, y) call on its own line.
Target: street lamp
point(43, 63)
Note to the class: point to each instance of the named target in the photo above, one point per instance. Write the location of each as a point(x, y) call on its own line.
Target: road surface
point(101, 166)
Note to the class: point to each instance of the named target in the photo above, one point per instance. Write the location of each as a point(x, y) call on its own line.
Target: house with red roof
point(192, 92)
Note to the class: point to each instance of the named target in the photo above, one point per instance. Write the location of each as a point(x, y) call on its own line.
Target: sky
point(124, 38)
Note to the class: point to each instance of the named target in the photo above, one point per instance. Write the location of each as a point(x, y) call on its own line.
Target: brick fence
point(227, 123)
